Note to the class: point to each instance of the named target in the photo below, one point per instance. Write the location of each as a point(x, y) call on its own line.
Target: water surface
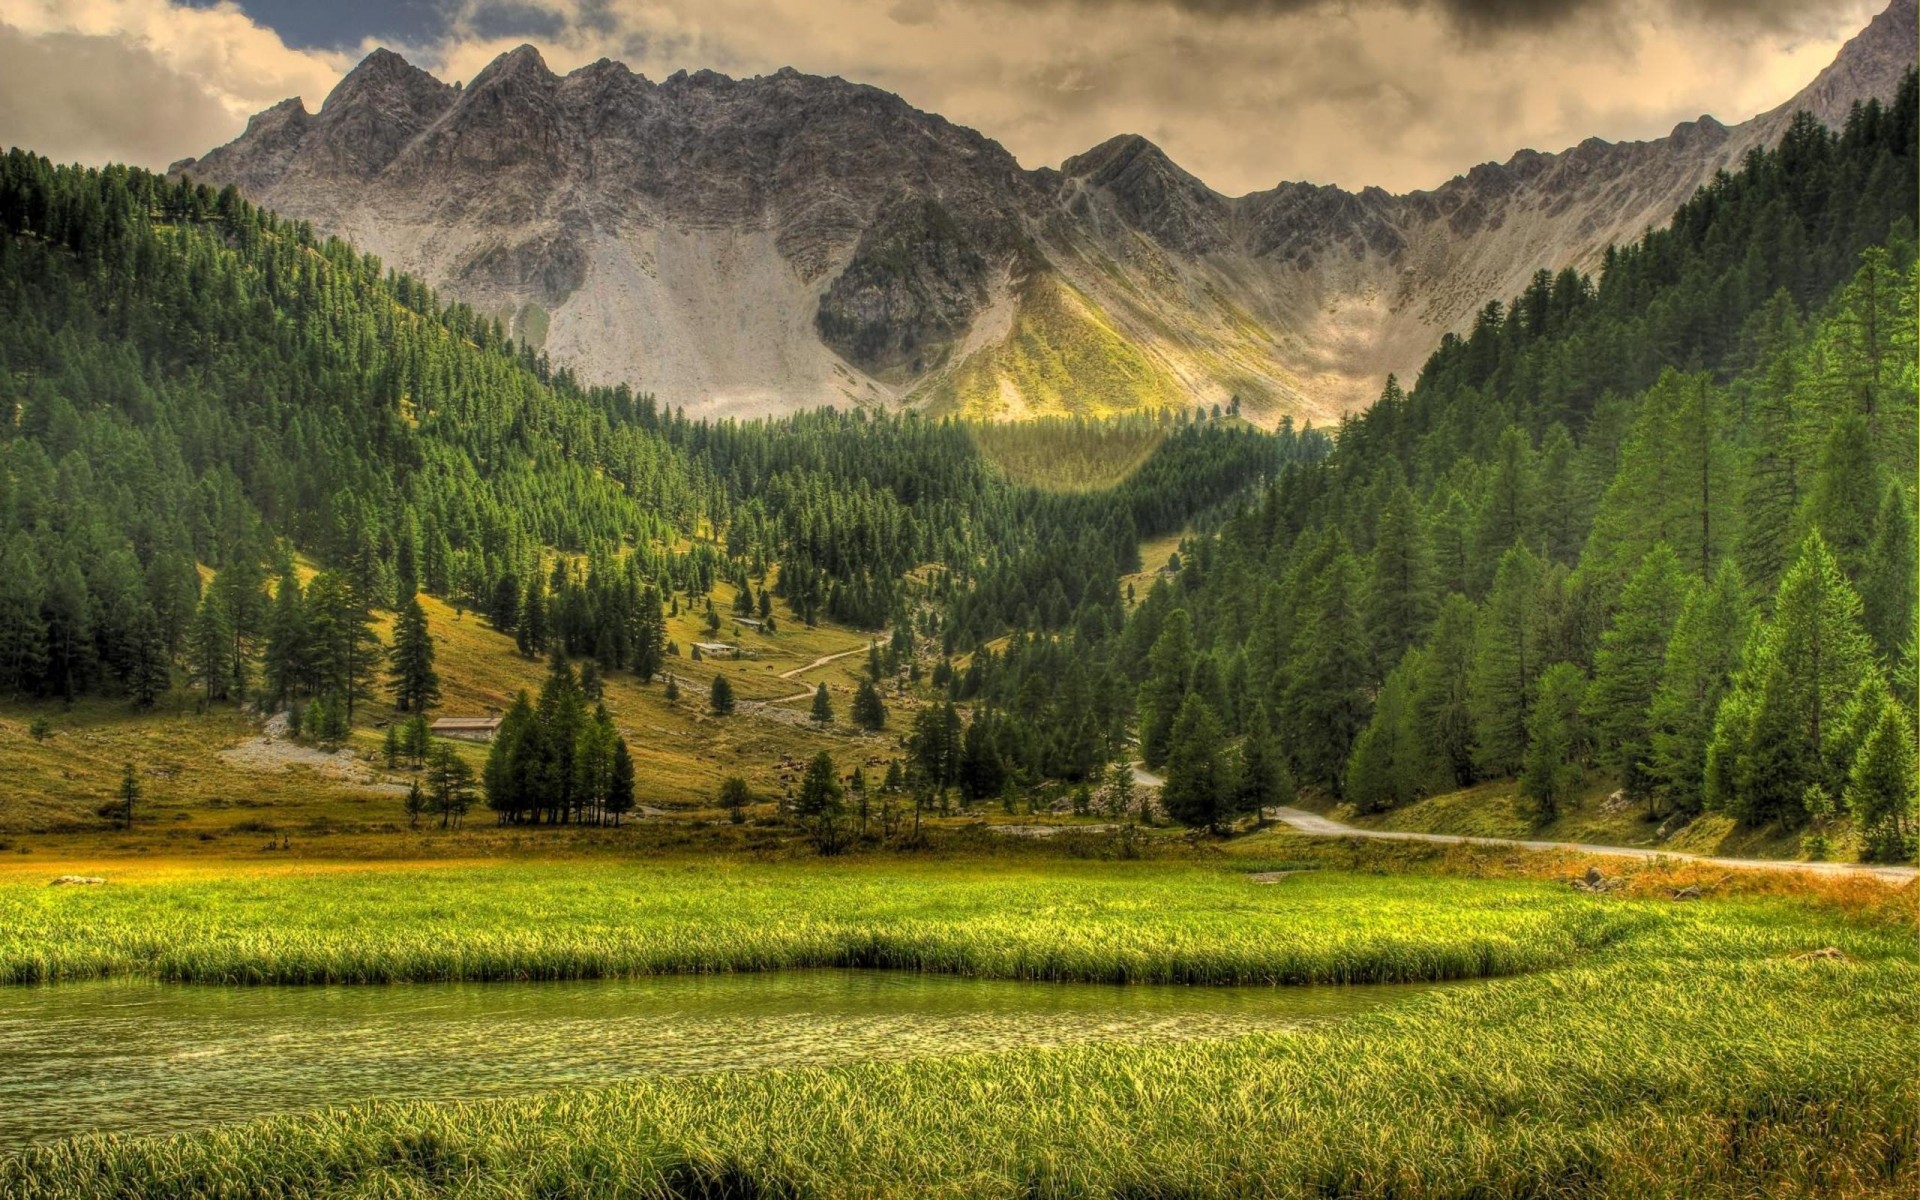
point(137, 1057)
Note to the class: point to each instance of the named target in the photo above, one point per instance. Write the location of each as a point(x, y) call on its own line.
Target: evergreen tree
point(1556, 742)
point(1846, 497)
point(128, 793)
point(1881, 786)
point(147, 670)
point(720, 697)
point(449, 785)
point(1701, 661)
point(822, 706)
point(416, 685)
point(1199, 787)
point(1889, 574)
point(821, 803)
point(1506, 663)
point(620, 783)
point(1400, 602)
point(1442, 699)
point(346, 651)
point(1261, 780)
point(1804, 667)
point(1389, 766)
point(1325, 702)
point(1628, 668)
point(869, 712)
point(289, 666)
point(1169, 670)
point(211, 645)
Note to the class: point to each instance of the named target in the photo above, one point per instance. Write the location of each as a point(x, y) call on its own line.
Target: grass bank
point(1695, 1050)
point(1059, 920)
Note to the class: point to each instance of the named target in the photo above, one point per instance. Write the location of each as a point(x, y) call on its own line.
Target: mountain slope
point(771, 243)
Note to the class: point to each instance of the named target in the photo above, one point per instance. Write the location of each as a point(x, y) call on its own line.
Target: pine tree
point(720, 697)
point(1400, 602)
point(1702, 658)
point(1506, 663)
point(416, 685)
point(1506, 503)
point(821, 803)
point(1442, 700)
point(449, 785)
point(1628, 667)
point(1261, 779)
point(1881, 786)
point(1389, 766)
point(346, 650)
point(1556, 741)
point(23, 634)
point(507, 775)
point(1845, 498)
point(147, 669)
point(1325, 702)
point(869, 712)
point(1804, 667)
point(128, 793)
point(211, 646)
point(288, 662)
point(1198, 790)
point(619, 798)
point(1169, 670)
point(822, 706)
point(1888, 576)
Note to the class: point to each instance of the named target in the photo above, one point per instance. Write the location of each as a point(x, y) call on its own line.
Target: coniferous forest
point(1654, 526)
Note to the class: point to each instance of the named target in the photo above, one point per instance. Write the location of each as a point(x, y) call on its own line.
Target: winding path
point(823, 661)
point(1315, 825)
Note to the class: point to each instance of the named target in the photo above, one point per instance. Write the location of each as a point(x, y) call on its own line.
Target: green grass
point(1497, 810)
point(1659, 1050)
point(1118, 922)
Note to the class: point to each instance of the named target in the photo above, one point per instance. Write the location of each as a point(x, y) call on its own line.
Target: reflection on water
point(134, 1057)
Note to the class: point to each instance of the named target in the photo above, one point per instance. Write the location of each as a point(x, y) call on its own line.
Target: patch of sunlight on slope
point(1062, 357)
point(1068, 454)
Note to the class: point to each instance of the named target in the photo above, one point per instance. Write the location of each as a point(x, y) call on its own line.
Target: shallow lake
point(137, 1057)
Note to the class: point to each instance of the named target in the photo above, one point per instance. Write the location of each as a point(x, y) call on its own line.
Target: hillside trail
point(1315, 825)
point(823, 661)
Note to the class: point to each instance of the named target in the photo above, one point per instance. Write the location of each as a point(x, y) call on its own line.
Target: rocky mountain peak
point(783, 240)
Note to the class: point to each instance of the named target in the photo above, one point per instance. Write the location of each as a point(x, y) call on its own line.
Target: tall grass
point(1694, 1058)
point(1142, 922)
point(1655, 1049)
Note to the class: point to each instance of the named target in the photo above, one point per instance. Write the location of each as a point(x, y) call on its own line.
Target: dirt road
point(1316, 825)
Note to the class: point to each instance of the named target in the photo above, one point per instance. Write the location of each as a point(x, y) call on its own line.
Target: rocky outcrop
point(765, 244)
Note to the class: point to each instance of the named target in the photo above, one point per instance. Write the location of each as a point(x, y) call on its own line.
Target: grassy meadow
point(205, 791)
point(1629, 1045)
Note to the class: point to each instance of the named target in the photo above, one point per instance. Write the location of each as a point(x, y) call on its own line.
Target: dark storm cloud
point(1492, 16)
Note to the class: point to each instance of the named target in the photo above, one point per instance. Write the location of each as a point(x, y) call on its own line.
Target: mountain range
point(746, 246)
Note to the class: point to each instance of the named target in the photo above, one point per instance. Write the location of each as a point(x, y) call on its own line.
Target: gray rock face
point(766, 244)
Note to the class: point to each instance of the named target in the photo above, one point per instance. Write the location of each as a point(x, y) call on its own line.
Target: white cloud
point(142, 81)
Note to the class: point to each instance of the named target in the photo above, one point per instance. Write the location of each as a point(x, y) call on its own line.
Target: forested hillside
point(1656, 528)
point(193, 383)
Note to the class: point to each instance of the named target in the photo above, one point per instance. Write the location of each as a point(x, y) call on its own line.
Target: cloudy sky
point(1244, 93)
